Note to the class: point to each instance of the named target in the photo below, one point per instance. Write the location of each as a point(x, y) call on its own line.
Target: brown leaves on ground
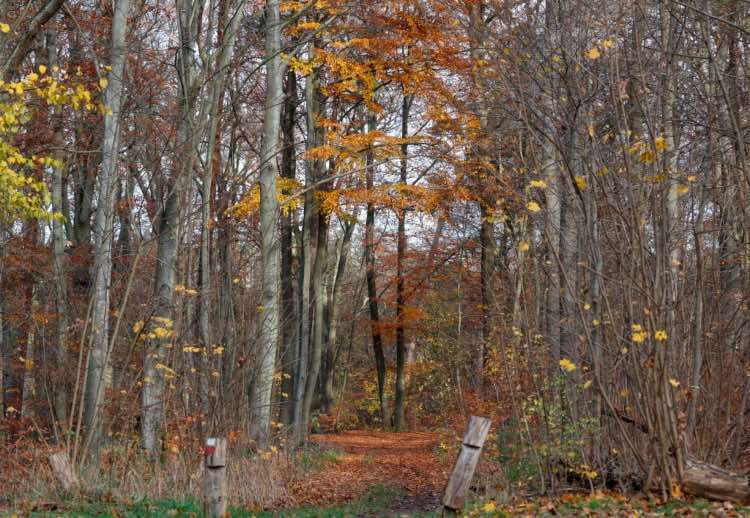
point(369, 458)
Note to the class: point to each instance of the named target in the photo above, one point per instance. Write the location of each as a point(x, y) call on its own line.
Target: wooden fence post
point(215, 477)
point(63, 470)
point(463, 471)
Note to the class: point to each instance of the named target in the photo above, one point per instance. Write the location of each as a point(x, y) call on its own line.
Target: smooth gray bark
point(60, 393)
point(103, 230)
point(167, 229)
point(269, 228)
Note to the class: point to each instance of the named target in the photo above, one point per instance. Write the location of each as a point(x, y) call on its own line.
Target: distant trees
point(548, 201)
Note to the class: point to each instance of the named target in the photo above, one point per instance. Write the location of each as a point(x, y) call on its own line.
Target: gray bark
point(103, 228)
point(227, 36)
point(400, 399)
point(29, 385)
point(269, 227)
point(31, 29)
point(331, 354)
point(167, 228)
point(309, 243)
point(60, 395)
point(319, 303)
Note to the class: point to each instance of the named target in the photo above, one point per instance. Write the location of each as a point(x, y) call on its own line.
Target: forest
point(326, 233)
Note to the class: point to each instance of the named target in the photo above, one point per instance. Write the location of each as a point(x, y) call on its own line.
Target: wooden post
point(463, 471)
point(215, 477)
point(63, 470)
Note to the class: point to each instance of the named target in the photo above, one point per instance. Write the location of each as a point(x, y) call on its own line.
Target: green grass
point(315, 458)
point(374, 503)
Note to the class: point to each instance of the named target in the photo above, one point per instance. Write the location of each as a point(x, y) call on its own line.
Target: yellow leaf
point(674, 382)
point(593, 53)
point(588, 384)
point(4, 27)
point(523, 246)
point(581, 182)
point(608, 43)
point(103, 82)
point(567, 365)
point(660, 335)
point(489, 507)
point(648, 157)
point(660, 143)
point(540, 184)
point(676, 491)
point(533, 206)
point(682, 190)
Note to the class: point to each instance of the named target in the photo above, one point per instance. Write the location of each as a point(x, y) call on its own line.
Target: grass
point(314, 458)
point(375, 502)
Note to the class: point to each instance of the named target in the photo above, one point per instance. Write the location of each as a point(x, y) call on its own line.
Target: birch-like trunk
point(167, 230)
point(103, 230)
point(226, 38)
point(29, 384)
point(60, 393)
point(319, 294)
point(269, 228)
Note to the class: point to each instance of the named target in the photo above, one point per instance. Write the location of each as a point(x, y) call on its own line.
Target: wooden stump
point(215, 477)
point(708, 481)
point(63, 470)
point(471, 448)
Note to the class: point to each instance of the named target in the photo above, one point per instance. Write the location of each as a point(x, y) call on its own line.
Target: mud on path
point(367, 459)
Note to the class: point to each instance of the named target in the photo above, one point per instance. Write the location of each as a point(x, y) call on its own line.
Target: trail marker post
point(215, 477)
point(460, 479)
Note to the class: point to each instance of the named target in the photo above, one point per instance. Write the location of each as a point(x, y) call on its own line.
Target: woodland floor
point(407, 462)
point(368, 474)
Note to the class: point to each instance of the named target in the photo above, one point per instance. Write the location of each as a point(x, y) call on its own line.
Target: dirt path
point(406, 461)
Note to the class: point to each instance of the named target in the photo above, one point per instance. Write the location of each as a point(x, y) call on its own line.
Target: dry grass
point(255, 481)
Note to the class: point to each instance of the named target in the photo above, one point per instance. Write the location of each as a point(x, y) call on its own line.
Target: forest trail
point(406, 462)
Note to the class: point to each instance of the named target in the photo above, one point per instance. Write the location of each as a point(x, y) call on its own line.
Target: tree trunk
point(226, 34)
point(60, 393)
point(372, 291)
point(399, 421)
point(29, 384)
point(269, 226)
point(319, 294)
point(289, 336)
point(167, 230)
point(342, 255)
point(103, 228)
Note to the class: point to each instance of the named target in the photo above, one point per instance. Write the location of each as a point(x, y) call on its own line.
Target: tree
point(269, 216)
